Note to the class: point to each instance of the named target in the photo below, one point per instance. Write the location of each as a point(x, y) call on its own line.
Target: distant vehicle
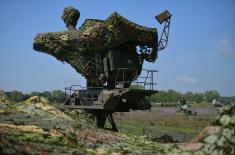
point(216, 103)
point(185, 107)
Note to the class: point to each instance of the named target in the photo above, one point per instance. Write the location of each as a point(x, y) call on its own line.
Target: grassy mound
point(38, 105)
point(36, 127)
point(4, 99)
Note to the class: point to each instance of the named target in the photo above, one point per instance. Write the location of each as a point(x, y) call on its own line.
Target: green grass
point(139, 123)
point(166, 125)
point(202, 105)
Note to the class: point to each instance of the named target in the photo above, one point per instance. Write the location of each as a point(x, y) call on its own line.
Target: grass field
point(166, 120)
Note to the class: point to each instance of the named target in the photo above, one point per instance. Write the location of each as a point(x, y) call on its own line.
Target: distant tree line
point(208, 96)
point(56, 96)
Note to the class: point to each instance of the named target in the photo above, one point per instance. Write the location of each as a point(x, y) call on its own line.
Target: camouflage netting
point(79, 47)
point(221, 136)
point(70, 17)
point(4, 101)
point(217, 139)
point(36, 127)
point(39, 105)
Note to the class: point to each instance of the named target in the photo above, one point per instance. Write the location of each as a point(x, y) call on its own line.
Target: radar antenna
point(164, 17)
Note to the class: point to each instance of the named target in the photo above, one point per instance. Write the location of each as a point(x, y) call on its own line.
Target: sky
point(200, 55)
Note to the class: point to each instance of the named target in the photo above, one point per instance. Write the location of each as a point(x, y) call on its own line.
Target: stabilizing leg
point(111, 120)
point(101, 119)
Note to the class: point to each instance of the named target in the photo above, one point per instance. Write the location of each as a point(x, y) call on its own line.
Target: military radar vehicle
point(109, 54)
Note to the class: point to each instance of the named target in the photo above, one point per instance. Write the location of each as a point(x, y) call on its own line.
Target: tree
point(169, 96)
point(58, 96)
point(173, 95)
point(15, 96)
point(35, 94)
point(211, 95)
point(25, 97)
point(161, 96)
point(136, 86)
point(47, 95)
point(189, 96)
point(198, 97)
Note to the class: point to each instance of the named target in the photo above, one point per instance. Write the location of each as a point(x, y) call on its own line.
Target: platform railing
point(83, 93)
point(145, 81)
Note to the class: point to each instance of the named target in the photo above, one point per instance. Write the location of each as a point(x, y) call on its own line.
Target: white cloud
point(224, 47)
point(188, 80)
